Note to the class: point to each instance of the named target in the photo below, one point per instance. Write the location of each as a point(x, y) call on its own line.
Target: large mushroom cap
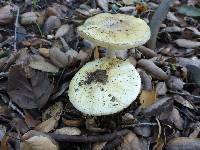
point(104, 86)
point(115, 31)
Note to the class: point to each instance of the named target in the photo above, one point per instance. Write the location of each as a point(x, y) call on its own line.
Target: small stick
point(184, 94)
point(157, 20)
point(16, 25)
point(92, 138)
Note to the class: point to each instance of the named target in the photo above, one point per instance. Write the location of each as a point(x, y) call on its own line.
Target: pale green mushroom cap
point(115, 31)
point(104, 87)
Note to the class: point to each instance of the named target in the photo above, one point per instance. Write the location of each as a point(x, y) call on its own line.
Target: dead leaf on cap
point(185, 143)
point(187, 43)
point(130, 142)
point(147, 98)
point(28, 93)
point(39, 142)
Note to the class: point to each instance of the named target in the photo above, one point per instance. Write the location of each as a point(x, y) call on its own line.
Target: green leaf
point(189, 11)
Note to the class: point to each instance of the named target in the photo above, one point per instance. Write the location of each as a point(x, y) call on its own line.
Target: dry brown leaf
point(172, 17)
point(32, 18)
point(62, 30)
point(161, 105)
point(183, 143)
point(152, 69)
point(58, 57)
point(6, 14)
point(39, 63)
point(44, 52)
point(161, 88)
point(39, 142)
point(52, 22)
point(130, 142)
point(47, 125)
point(183, 101)
point(98, 146)
point(175, 83)
point(31, 92)
point(4, 144)
point(53, 111)
point(68, 131)
point(147, 98)
point(187, 43)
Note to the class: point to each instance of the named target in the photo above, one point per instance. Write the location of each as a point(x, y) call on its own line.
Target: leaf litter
point(40, 52)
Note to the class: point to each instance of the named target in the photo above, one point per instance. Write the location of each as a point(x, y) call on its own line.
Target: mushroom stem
point(111, 54)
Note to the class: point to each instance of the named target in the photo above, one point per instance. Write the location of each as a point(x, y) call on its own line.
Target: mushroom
point(115, 31)
point(104, 86)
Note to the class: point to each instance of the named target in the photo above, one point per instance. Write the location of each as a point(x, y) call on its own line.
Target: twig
point(184, 94)
point(92, 138)
point(16, 25)
point(141, 124)
point(16, 109)
point(156, 21)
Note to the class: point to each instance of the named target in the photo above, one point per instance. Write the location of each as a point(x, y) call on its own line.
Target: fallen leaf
point(39, 142)
point(183, 101)
point(68, 131)
point(194, 73)
point(28, 93)
point(58, 57)
point(161, 88)
point(189, 11)
point(4, 142)
point(39, 63)
point(62, 30)
point(175, 83)
point(103, 4)
point(172, 17)
point(187, 43)
point(130, 142)
point(44, 52)
point(48, 125)
point(53, 111)
point(195, 30)
point(147, 98)
point(183, 143)
point(161, 105)
point(152, 69)
point(7, 14)
point(52, 22)
point(32, 18)
point(98, 145)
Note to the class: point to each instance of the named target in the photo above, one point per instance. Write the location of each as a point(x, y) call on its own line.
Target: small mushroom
point(115, 31)
point(104, 86)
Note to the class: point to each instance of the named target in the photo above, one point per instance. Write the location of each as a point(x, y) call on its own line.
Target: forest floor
point(41, 51)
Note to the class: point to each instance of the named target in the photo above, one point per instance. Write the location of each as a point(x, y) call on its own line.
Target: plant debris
point(42, 49)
